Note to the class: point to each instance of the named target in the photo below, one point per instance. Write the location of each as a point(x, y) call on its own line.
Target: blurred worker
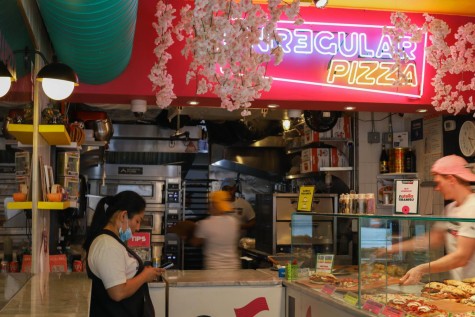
point(242, 208)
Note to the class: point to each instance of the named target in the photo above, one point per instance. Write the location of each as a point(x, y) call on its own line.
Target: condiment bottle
point(383, 161)
point(370, 207)
point(361, 203)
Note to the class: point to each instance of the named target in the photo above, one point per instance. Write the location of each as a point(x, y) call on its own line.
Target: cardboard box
point(342, 128)
point(338, 158)
point(313, 159)
point(310, 136)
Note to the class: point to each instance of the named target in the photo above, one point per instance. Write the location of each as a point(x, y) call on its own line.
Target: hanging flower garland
point(162, 81)
point(221, 36)
point(457, 59)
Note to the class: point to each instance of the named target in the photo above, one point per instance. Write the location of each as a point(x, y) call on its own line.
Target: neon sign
point(346, 56)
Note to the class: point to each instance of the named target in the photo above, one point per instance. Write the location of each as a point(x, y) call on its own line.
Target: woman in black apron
point(119, 278)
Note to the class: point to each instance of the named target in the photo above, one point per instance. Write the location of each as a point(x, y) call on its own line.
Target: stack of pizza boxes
point(312, 159)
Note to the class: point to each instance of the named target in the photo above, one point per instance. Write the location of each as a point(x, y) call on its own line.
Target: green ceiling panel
point(94, 37)
point(13, 29)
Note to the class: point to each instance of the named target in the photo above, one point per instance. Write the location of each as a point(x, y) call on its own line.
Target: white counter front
point(158, 292)
point(224, 293)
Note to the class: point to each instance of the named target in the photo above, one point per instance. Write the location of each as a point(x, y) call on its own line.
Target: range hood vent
point(270, 163)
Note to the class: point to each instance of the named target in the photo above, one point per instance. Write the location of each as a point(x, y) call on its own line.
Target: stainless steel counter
point(51, 295)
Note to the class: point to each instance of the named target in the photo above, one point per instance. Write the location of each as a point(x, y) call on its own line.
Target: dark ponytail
point(126, 200)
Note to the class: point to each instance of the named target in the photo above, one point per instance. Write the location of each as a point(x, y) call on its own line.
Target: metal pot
point(103, 129)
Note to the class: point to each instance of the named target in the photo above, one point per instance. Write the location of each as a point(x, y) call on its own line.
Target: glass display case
point(387, 247)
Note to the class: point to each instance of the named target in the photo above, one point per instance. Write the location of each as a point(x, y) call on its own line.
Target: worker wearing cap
point(452, 178)
point(219, 234)
point(242, 208)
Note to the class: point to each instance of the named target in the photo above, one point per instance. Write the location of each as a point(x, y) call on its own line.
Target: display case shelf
point(55, 134)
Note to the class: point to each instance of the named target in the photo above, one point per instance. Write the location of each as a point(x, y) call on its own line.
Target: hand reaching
point(413, 276)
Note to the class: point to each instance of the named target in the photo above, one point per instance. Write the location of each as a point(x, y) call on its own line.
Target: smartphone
point(167, 265)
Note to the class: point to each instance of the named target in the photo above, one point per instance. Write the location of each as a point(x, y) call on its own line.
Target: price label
point(372, 306)
point(351, 298)
point(389, 311)
point(328, 289)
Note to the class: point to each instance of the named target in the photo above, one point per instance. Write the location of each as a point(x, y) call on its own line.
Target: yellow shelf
point(21, 132)
point(54, 205)
point(55, 134)
point(20, 205)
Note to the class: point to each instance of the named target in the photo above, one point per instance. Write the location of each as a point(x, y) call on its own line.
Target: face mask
point(125, 235)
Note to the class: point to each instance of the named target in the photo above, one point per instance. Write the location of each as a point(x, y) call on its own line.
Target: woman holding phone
point(119, 277)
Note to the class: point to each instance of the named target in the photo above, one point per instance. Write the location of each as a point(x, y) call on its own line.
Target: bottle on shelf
point(383, 161)
point(410, 161)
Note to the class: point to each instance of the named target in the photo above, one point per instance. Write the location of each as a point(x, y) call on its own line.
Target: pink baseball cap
point(453, 165)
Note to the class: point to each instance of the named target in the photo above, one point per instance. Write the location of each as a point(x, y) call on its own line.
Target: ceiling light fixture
point(193, 102)
point(286, 124)
point(320, 3)
point(6, 79)
point(57, 79)
point(421, 110)
point(273, 105)
point(349, 108)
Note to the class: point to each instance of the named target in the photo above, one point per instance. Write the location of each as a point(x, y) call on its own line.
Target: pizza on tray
point(438, 290)
point(323, 278)
point(416, 307)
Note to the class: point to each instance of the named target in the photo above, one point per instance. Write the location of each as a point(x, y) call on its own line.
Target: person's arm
point(436, 239)
point(459, 258)
point(127, 289)
point(433, 239)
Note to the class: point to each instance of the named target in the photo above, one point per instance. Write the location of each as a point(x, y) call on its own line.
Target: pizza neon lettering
point(351, 56)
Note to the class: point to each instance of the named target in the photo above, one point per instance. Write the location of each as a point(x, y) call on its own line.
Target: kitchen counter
point(51, 295)
point(220, 278)
point(224, 293)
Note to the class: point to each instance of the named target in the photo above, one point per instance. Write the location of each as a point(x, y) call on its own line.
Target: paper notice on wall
point(433, 145)
point(429, 160)
point(433, 135)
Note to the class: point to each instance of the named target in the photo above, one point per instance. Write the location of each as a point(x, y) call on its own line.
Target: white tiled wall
point(368, 154)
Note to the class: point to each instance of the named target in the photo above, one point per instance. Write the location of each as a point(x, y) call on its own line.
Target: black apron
point(137, 305)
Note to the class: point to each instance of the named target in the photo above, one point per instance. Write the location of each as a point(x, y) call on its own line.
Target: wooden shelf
point(55, 134)
point(20, 205)
point(22, 132)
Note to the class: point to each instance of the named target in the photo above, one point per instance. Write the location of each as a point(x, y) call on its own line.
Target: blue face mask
point(125, 235)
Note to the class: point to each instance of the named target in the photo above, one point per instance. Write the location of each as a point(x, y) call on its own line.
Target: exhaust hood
point(265, 159)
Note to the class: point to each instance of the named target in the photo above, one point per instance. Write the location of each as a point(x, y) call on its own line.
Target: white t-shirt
point(454, 229)
point(221, 234)
point(110, 261)
point(243, 211)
